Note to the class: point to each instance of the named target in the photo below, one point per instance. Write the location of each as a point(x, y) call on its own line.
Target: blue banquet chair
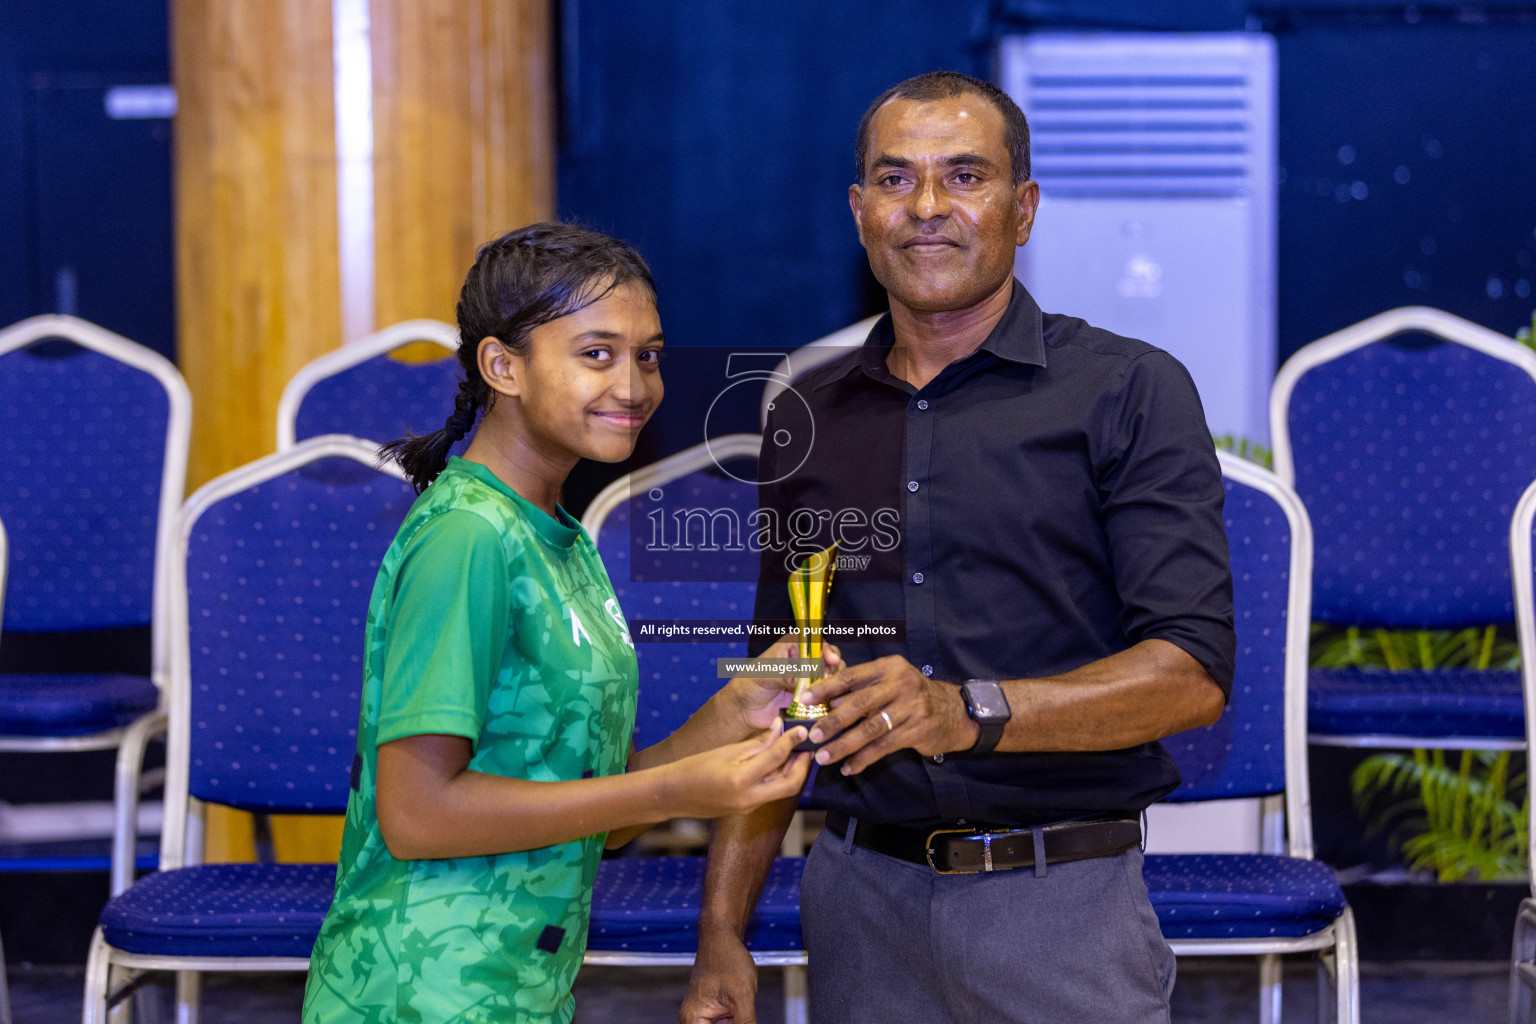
point(5, 993)
point(360, 389)
point(1409, 437)
point(93, 460)
point(1522, 973)
point(645, 909)
point(271, 570)
point(1277, 899)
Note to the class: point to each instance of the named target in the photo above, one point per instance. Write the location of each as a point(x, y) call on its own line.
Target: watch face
point(986, 701)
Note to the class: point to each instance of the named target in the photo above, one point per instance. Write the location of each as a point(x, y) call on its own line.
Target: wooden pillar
point(461, 150)
point(257, 286)
point(462, 141)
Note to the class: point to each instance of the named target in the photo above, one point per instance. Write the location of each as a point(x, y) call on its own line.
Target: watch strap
point(987, 739)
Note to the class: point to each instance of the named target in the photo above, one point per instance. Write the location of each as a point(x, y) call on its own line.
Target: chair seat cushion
point(1241, 896)
point(222, 910)
point(1443, 702)
point(39, 704)
point(651, 905)
point(72, 855)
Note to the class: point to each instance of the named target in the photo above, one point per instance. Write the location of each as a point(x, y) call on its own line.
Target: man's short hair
point(943, 85)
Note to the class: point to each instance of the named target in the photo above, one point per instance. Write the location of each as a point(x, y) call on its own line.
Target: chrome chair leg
point(1522, 963)
point(5, 992)
point(1271, 970)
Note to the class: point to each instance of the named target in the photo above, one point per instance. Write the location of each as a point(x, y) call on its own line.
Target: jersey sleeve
point(447, 631)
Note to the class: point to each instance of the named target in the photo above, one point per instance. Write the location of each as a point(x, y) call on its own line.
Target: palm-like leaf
point(1458, 819)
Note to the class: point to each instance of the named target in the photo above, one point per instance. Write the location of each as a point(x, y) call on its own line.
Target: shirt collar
point(1018, 338)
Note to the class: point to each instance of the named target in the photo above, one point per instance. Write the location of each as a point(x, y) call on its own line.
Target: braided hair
point(522, 280)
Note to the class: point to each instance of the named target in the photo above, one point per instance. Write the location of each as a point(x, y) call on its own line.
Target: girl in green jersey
point(500, 680)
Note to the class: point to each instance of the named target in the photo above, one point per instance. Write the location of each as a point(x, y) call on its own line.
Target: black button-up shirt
point(1049, 500)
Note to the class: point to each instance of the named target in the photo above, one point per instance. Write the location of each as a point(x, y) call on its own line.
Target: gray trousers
point(890, 941)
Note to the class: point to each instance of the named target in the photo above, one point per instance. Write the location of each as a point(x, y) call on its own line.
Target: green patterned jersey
point(489, 620)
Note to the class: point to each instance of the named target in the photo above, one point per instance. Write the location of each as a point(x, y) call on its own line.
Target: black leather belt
point(958, 851)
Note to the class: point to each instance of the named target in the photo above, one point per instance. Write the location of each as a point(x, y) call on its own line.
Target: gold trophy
point(809, 586)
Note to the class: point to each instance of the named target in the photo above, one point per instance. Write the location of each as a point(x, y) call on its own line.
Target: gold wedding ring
point(888, 726)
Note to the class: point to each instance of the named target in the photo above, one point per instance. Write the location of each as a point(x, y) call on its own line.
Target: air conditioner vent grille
point(1136, 81)
point(1159, 128)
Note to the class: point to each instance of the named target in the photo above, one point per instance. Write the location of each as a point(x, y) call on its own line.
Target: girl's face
point(588, 382)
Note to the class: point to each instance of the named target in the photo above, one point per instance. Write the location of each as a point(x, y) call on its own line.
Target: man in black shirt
point(1062, 575)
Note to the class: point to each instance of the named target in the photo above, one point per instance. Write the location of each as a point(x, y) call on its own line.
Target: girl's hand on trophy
point(883, 706)
point(759, 699)
point(737, 777)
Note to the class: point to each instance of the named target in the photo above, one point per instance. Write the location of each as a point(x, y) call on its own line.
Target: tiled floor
point(1209, 992)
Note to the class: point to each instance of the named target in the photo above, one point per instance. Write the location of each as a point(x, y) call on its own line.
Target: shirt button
point(938, 758)
point(927, 670)
point(917, 577)
point(911, 485)
point(922, 403)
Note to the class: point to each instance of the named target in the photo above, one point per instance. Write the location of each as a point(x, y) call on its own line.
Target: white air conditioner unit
point(1156, 160)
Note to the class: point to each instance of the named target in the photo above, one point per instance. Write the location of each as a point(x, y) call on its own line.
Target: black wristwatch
point(987, 705)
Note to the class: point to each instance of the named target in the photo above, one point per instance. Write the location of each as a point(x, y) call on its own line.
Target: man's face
point(938, 214)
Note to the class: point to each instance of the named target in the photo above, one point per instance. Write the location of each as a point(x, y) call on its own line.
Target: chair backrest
point(1410, 456)
point(811, 356)
point(677, 678)
point(1523, 564)
point(359, 389)
point(1259, 746)
point(276, 563)
point(93, 459)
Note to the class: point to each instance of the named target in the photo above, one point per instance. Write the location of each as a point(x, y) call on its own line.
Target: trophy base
point(806, 715)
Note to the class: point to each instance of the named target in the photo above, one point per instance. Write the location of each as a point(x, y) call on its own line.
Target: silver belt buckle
point(986, 851)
